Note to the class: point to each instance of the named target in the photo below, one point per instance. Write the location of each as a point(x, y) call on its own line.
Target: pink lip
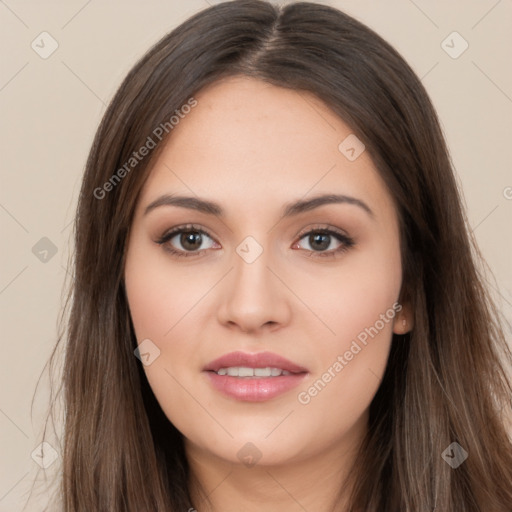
point(254, 389)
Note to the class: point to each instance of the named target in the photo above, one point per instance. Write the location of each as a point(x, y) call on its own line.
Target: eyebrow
point(290, 209)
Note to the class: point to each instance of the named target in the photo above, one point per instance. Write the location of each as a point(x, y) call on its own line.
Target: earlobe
point(403, 322)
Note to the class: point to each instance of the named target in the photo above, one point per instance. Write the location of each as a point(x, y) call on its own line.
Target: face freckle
point(252, 149)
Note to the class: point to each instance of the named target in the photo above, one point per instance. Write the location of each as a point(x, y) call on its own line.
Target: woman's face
point(267, 271)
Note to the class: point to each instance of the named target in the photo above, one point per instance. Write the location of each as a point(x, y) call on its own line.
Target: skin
point(252, 148)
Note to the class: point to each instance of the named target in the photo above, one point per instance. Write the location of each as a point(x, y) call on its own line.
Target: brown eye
point(190, 240)
point(187, 241)
point(319, 241)
point(324, 242)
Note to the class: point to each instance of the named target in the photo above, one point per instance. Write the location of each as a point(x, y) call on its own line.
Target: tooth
point(262, 372)
point(245, 372)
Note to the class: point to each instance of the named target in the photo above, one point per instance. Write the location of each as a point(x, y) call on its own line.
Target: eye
point(187, 241)
point(324, 242)
point(191, 240)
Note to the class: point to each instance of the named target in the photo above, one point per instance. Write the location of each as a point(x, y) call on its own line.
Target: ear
point(404, 320)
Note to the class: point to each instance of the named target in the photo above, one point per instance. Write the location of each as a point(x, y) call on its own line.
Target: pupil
point(191, 240)
point(321, 241)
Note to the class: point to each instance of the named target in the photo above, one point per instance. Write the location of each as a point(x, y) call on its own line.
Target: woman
point(276, 304)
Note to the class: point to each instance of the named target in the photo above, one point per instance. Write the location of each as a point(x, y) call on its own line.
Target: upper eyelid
point(186, 227)
point(322, 227)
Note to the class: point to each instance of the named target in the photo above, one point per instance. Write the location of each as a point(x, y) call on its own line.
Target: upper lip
point(257, 360)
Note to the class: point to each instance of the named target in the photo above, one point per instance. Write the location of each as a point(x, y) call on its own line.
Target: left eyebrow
point(290, 209)
point(305, 205)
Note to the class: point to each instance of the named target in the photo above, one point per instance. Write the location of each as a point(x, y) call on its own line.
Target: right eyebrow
point(192, 203)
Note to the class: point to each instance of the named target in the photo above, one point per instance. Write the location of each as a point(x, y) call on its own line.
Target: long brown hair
point(445, 382)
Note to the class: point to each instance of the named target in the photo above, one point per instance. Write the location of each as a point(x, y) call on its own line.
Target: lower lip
point(257, 389)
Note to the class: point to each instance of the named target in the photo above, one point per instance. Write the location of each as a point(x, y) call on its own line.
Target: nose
point(253, 297)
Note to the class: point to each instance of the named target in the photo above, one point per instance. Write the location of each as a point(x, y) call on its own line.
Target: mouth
point(254, 377)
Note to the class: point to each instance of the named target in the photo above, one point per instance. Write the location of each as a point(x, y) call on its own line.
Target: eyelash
point(346, 241)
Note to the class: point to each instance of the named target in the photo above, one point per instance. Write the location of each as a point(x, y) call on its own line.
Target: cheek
point(159, 296)
point(336, 398)
point(159, 301)
point(164, 303)
point(352, 296)
point(358, 306)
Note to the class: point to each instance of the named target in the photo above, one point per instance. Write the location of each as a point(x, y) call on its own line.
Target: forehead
point(248, 115)
point(247, 140)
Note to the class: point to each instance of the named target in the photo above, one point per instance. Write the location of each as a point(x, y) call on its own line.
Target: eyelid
point(184, 227)
point(321, 227)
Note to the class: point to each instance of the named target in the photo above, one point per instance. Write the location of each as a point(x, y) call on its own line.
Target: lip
point(258, 360)
point(254, 389)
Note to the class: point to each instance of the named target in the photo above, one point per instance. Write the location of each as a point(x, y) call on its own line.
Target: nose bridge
point(253, 296)
point(251, 272)
point(252, 280)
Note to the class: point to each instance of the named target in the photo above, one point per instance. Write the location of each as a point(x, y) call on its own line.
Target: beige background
point(51, 108)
